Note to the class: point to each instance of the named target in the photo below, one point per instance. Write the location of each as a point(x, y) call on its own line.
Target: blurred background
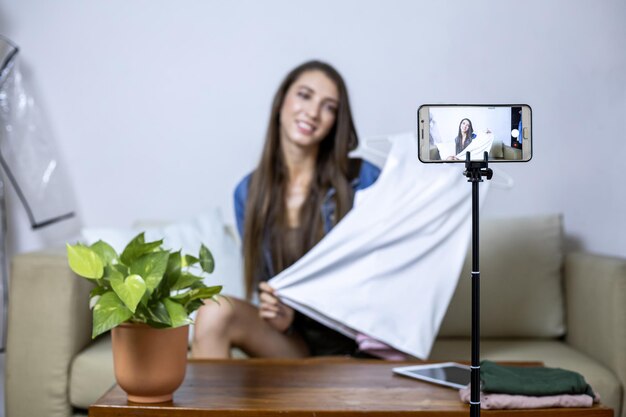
point(157, 108)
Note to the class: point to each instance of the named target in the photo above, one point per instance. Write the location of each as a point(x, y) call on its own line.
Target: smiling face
point(465, 124)
point(309, 110)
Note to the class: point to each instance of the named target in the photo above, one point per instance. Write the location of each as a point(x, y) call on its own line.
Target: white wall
point(159, 107)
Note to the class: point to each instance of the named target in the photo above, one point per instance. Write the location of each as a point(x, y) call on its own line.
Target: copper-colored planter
point(149, 363)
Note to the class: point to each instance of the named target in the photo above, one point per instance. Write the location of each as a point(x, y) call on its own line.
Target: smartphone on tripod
point(447, 132)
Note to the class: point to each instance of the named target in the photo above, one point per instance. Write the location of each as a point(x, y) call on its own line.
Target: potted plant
point(145, 297)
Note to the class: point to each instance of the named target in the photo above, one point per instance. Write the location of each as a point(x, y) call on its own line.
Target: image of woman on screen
point(465, 136)
point(302, 186)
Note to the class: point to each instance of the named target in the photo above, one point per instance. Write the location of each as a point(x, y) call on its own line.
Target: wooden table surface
point(329, 387)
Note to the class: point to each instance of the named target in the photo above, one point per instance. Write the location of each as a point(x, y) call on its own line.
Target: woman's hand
point(277, 314)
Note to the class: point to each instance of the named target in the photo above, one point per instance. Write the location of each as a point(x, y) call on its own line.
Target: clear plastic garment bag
point(27, 157)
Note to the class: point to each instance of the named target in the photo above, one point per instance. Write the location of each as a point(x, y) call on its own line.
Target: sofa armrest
point(595, 288)
point(49, 322)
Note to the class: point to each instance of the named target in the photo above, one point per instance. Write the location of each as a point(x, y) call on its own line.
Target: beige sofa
point(537, 304)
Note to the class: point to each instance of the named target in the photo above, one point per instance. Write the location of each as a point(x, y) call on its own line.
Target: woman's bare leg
point(221, 326)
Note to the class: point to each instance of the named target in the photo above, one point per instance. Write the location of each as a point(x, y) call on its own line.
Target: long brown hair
point(265, 216)
point(459, 137)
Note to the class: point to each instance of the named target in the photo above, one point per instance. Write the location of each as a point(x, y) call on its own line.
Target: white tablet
point(450, 374)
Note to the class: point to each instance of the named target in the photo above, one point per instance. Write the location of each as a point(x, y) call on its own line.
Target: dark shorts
point(323, 341)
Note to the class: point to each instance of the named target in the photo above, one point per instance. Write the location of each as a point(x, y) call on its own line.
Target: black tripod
point(474, 171)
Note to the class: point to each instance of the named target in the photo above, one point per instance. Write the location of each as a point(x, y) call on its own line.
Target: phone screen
point(446, 133)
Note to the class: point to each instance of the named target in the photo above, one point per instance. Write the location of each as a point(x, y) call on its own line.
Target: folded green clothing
point(537, 381)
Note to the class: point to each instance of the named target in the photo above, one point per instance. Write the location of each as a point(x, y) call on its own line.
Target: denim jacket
point(367, 176)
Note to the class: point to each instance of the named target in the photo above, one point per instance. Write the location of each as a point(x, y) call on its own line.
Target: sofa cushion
point(496, 150)
point(521, 292)
point(91, 373)
point(553, 353)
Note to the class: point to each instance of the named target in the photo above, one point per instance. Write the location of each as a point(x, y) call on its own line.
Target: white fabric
point(482, 143)
point(390, 267)
point(446, 149)
point(477, 148)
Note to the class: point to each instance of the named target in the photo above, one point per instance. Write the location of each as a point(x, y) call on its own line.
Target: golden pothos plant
point(145, 284)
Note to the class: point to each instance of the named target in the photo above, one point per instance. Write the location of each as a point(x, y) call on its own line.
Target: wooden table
point(330, 387)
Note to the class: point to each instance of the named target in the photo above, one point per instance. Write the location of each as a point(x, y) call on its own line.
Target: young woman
point(304, 184)
point(465, 136)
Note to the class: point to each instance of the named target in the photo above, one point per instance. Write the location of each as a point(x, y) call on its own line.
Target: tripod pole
point(474, 171)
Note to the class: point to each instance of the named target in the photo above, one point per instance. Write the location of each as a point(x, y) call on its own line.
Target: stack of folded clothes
point(508, 387)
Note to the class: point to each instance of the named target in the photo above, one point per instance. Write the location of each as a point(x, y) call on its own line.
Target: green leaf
point(151, 267)
point(145, 300)
point(206, 259)
point(186, 280)
point(97, 291)
point(157, 314)
point(189, 260)
point(173, 271)
point(177, 313)
point(84, 261)
point(128, 254)
point(105, 252)
point(141, 314)
point(193, 306)
point(138, 247)
point(198, 294)
point(109, 312)
point(196, 285)
point(112, 271)
point(196, 304)
point(121, 268)
point(130, 290)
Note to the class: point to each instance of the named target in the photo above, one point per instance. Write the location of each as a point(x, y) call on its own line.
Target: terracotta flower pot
point(149, 363)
